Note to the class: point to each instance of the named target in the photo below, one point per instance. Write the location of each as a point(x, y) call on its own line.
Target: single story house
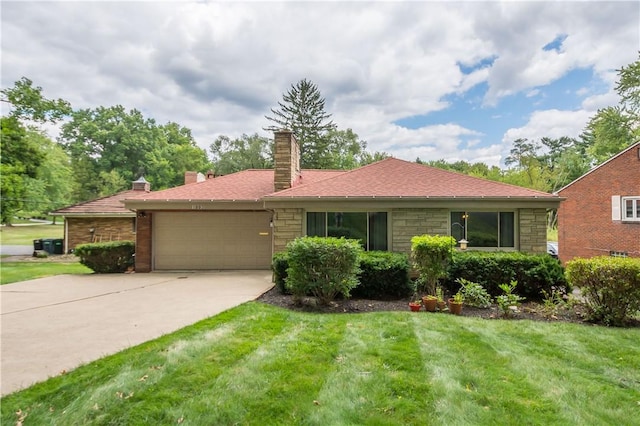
point(601, 211)
point(240, 220)
point(101, 220)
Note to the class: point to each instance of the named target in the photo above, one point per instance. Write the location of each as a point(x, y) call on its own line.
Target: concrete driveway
point(50, 325)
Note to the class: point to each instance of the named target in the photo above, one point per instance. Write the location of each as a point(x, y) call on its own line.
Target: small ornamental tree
point(610, 287)
point(322, 267)
point(431, 255)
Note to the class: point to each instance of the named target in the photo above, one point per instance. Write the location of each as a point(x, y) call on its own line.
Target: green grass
point(24, 235)
point(11, 272)
point(552, 234)
point(258, 364)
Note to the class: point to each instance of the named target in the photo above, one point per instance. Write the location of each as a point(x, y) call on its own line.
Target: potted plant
point(429, 303)
point(455, 303)
point(415, 305)
point(440, 303)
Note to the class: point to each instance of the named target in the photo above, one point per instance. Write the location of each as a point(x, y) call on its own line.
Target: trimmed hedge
point(610, 287)
point(106, 258)
point(323, 267)
point(279, 266)
point(383, 275)
point(533, 272)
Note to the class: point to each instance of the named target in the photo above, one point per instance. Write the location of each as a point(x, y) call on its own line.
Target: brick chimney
point(141, 185)
point(286, 155)
point(193, 177)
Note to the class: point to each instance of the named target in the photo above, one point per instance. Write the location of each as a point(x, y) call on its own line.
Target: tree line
point(100, 151)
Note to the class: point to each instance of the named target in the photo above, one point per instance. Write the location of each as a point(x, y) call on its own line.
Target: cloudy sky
point(452, 80)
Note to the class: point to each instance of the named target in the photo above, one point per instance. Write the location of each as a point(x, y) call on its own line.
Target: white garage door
point(211, 240)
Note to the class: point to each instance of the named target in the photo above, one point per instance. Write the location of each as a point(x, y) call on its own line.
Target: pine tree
point(302, 111)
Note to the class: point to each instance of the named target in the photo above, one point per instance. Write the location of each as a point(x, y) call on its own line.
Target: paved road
point(16, 250)
point(57, 323)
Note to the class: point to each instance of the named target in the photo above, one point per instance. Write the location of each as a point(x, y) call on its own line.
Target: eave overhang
point(550, 202)
point(194, 204)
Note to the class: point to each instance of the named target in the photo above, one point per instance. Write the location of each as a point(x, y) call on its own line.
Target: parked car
point(552, 249)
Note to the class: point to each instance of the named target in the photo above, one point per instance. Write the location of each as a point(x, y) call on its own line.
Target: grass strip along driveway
point(258, 364)
point(22, 271)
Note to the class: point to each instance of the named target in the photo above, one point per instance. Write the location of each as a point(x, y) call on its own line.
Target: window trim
point(634, 212)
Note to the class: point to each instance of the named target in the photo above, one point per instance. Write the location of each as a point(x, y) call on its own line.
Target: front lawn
point(24, 235)
point(22, 271)
point(259, 364)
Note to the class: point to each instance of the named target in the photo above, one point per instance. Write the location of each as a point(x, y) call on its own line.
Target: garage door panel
point(212, 240)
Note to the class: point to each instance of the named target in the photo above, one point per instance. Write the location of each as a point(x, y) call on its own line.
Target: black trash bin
point(58, 246)
point(37, 245)
point(47, 245)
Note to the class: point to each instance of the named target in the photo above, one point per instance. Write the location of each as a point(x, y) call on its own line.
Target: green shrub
point(104, 258)
point(508, 302)
point(474, 294)
point(431, 255)
point(322, 267)
point(279, 266)
point(610, 287)
point(535, 273)
point(383, 275)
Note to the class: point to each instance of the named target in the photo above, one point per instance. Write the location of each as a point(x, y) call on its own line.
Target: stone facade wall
point(407, 223)
point(287, 226)
point(104, 229)
point(286, 160)
point(143, 242)
point(533, 230)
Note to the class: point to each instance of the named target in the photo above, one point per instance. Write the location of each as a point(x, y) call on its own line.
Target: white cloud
point(217, 67)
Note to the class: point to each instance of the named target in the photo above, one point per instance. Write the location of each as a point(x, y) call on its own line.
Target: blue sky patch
point(556, 43)
point(466, 110)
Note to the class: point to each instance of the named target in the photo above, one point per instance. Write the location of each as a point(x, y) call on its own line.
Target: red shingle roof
point(393, 178)
point(247, 185)
point(111, 204)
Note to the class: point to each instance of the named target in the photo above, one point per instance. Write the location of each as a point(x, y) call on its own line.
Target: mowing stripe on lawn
point(289, 369)
point(374, 377)
point(475, 381)
point(571, 368)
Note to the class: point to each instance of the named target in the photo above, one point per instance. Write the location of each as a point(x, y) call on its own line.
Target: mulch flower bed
point(528, 310)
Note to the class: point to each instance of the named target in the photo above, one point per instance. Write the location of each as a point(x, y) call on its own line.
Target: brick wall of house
point(407, 223)
point(143, 241)
point(287, 226)
point(585, 224)
point(79, 230)
point(533, 230)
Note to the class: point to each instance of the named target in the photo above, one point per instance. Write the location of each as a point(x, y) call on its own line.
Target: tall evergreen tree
point(302, 111)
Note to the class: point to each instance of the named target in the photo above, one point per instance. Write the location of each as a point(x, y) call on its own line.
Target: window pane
point(316, 225)
point(628, 209)
point(348, 225)
point(637, 209)
point(482, 229)
point(507, 238)
point(457, 225)
point(378, 231)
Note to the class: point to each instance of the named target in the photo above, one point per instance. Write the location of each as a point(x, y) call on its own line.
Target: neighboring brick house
point(601, 211)
point(239, 221)
point(101, 220)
